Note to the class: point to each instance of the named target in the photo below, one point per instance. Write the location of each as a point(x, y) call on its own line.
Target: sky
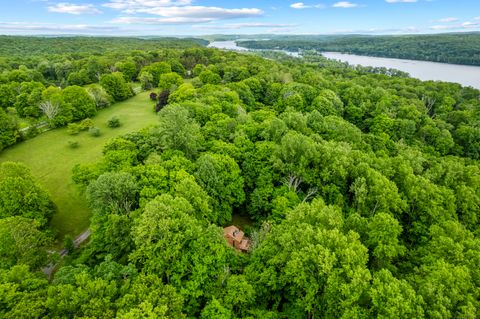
point(202, 17)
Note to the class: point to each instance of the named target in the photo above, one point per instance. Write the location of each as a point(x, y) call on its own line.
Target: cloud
point(461, 26)
point(401, 1)
point(448, 20)
point(344, 4)
point(71, 8)
point(132, 5)
point(188, 15)
point(22, 27)
point(301, 5)
point(246, 25)
point(175, 12)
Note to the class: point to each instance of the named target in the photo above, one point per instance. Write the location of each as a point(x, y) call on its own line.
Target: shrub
point(73, 144)
point(86, 124)
point(94, 131)
point(114, 122)
point(153, 96)
point(73, 128)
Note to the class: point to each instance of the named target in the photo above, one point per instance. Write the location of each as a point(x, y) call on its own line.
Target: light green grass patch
point(51, 159)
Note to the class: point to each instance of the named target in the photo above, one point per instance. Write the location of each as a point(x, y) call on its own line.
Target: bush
point(73, 128)
point(94, 131)
point(114, 122)
point(31, 132)
point(86, 124)
point(153, 96)
point(73, 144)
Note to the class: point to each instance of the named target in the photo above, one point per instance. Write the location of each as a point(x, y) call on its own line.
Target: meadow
point(51, 159)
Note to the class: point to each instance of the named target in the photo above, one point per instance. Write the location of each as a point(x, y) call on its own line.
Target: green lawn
point(51, 159)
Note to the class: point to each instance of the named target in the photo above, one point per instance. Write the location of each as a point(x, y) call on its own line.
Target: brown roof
point(236, 238)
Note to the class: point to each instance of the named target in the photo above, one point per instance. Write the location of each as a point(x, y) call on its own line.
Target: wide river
point(463, 74)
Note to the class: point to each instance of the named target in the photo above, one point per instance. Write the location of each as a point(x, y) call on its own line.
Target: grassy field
point(51, 159)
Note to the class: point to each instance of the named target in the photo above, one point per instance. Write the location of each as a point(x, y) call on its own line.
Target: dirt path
point(80, 239)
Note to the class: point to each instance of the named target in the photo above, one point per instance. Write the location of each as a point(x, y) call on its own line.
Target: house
point(236, 238)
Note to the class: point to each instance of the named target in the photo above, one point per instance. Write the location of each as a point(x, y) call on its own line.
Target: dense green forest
point(457, 48)
point(31, 46)
point(360, 188)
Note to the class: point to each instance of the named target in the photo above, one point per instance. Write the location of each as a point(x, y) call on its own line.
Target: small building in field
point(236, 238)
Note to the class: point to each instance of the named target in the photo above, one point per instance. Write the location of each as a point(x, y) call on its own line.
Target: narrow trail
point(80, 239)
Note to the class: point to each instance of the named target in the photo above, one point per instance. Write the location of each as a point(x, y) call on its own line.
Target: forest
point(455, 48)
point(358, 188)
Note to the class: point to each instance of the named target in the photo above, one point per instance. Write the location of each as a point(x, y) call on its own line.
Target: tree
point(175, 246)
point(169, 81)
point(22, 242)
point(116, 86)
point(50, 109)
point(178, 131)
point(113, 193)
point(99, 96)
point(394, 298)
point(156, 70)
point(22, 195)
point(146, 79)
point(80, 101)
point(8, 130)
point(220, 176)
point(308, 267)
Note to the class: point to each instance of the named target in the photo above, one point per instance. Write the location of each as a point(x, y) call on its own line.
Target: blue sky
point(197, 17)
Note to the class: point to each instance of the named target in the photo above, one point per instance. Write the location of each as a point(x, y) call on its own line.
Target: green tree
point(22, 242)
point(80, 101)
point(170, 81)
point(220, 176)
point(113, 192)
point(116, 86)
point(22, 195)
point(178, 131)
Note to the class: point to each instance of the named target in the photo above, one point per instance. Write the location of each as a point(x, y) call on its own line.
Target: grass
point(51, 159)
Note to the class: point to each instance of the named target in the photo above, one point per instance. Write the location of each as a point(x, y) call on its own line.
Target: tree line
point(456, 48)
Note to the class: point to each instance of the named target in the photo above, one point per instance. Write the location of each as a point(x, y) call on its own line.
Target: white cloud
point(175, 12)
point(401, 1)
point(211, 13)
point(344, 4)
point(462, 26)
point(301, 5)
point(448, 20)
point(132, 5)
point(246, 25)
point(476, 18)
point(74, 8)
point(174, 20)
point(469, 24)
point(21, 27)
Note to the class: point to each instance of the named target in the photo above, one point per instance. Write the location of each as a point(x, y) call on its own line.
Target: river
point(465, 75)
point(232, 45)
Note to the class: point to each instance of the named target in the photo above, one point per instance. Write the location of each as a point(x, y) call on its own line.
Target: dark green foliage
point(114, 122)
point(94, 131)
point(112, 193)
point(8, 130)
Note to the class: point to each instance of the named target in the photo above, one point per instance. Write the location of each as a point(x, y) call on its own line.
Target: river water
point(231, 45)
point(463, 74)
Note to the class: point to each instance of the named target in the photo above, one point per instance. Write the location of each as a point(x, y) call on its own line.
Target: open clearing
point(51, 159)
